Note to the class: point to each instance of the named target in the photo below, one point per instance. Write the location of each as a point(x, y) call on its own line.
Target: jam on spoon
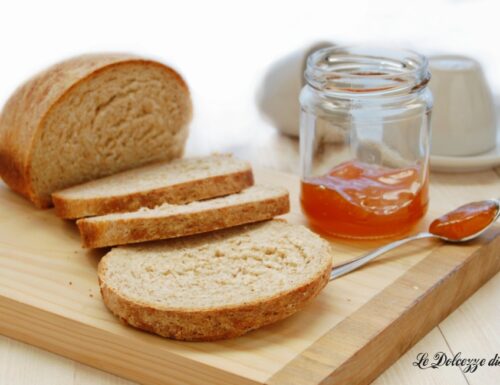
point(460, 225)
point(465, 221)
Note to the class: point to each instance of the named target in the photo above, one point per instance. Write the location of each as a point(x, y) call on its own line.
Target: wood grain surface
point(381, 297)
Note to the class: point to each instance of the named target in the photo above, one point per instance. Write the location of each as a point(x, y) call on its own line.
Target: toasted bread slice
point(177, 182)
point(254, 204)
point(217, 285)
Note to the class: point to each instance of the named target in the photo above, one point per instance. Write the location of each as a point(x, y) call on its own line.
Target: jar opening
point(366, 71)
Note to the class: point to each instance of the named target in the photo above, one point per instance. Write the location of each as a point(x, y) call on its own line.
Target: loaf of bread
point(217, 285)
point(177, 182)
point(88, 117)
point(254, 204)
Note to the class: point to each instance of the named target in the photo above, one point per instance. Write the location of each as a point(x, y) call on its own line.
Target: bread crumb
point(270, 250)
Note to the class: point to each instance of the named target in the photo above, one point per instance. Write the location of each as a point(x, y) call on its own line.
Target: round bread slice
point(218, 285)
point(88, 117)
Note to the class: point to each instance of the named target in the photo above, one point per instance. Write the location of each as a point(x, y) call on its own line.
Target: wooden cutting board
point(357, 327)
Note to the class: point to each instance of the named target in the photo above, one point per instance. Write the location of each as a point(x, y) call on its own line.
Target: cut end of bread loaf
point(177, 182)
point(89, 117)
point(216, 286)
point(254, 204)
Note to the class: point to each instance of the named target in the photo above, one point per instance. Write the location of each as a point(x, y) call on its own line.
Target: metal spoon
point(347, 267)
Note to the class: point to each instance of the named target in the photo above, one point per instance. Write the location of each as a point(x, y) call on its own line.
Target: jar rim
point(366, 70)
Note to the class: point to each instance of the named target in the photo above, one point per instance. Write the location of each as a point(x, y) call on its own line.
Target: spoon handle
point(347, 267)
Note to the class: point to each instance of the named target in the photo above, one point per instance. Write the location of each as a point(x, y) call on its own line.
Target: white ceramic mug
point(278, 96)
point(463, 118)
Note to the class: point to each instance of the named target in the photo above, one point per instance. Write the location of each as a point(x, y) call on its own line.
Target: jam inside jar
point(364, 141)
point(362, 200)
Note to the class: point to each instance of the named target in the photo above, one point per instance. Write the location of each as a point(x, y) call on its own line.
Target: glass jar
point(364, 141)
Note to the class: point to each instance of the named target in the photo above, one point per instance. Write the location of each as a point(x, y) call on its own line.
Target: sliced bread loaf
point(254, 204)
point(90, 116)
point(217, 285)
point(177, 182)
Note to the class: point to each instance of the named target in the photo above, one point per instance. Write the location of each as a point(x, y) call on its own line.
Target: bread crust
point(214, 323)
point(175, 194)
point(132, 230)
point(27, 109)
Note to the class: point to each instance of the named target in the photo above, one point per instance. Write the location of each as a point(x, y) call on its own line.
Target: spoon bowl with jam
point(463, 224)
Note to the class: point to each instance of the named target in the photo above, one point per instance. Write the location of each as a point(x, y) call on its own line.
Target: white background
point(223, 48)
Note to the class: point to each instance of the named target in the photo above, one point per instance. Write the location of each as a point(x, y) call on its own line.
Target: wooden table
point(472, 329)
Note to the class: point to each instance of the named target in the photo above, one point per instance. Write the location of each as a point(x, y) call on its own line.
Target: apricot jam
point(360, 200)
point(465, 221)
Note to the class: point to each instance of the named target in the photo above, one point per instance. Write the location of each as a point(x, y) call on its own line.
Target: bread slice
point(177, 182)
point(254, 204)
point(217, 285)
point(91, 116)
